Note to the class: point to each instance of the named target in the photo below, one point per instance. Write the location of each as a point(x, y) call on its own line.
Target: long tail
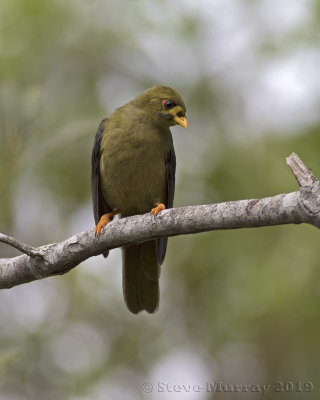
point(141, 272)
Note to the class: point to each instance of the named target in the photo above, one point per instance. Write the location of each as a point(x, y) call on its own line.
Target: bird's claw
point(104, 220)
point(158, 207)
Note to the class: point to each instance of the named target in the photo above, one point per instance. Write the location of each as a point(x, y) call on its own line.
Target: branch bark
point(298, 207)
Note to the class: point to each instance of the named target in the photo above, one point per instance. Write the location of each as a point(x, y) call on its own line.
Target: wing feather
point(100, 207)
point(170, 167)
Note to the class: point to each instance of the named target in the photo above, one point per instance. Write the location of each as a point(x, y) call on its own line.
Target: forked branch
point(298, 207)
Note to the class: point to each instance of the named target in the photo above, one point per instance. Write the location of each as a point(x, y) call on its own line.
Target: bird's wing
point(100, 207)
point(170, 166)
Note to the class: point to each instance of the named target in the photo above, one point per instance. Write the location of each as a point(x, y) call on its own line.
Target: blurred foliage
point(237, 306)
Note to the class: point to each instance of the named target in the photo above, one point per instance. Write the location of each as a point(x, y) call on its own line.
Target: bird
point(133, 167)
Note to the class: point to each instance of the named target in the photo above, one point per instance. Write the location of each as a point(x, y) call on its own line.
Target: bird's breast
point(133, 169)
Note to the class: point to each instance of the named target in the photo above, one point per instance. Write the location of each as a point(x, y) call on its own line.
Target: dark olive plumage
point(133, 167)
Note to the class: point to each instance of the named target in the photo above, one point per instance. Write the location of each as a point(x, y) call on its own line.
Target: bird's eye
point(168, 104)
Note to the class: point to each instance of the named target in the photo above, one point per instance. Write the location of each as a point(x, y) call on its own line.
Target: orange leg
point(159, 207)
point(104, 220)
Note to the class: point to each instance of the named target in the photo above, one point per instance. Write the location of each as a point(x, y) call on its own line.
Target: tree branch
point(24, 248)
point(58, 258)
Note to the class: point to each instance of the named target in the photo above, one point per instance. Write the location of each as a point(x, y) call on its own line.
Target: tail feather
point(141, 272)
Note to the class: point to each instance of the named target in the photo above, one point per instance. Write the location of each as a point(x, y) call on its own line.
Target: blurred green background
point(236, 306)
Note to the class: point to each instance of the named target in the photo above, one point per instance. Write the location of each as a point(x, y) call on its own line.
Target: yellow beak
point(181, 121)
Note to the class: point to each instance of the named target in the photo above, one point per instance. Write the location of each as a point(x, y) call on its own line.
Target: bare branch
point(58, 258)
point(24, 248)
point(299, 170)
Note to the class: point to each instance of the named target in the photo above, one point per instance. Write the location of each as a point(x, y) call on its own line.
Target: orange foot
point(159, 207)
point(104, 220)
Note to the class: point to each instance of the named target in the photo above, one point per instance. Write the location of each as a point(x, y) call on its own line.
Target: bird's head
point(162, 105)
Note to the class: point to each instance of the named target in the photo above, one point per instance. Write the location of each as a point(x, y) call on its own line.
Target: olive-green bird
point(133, 172)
